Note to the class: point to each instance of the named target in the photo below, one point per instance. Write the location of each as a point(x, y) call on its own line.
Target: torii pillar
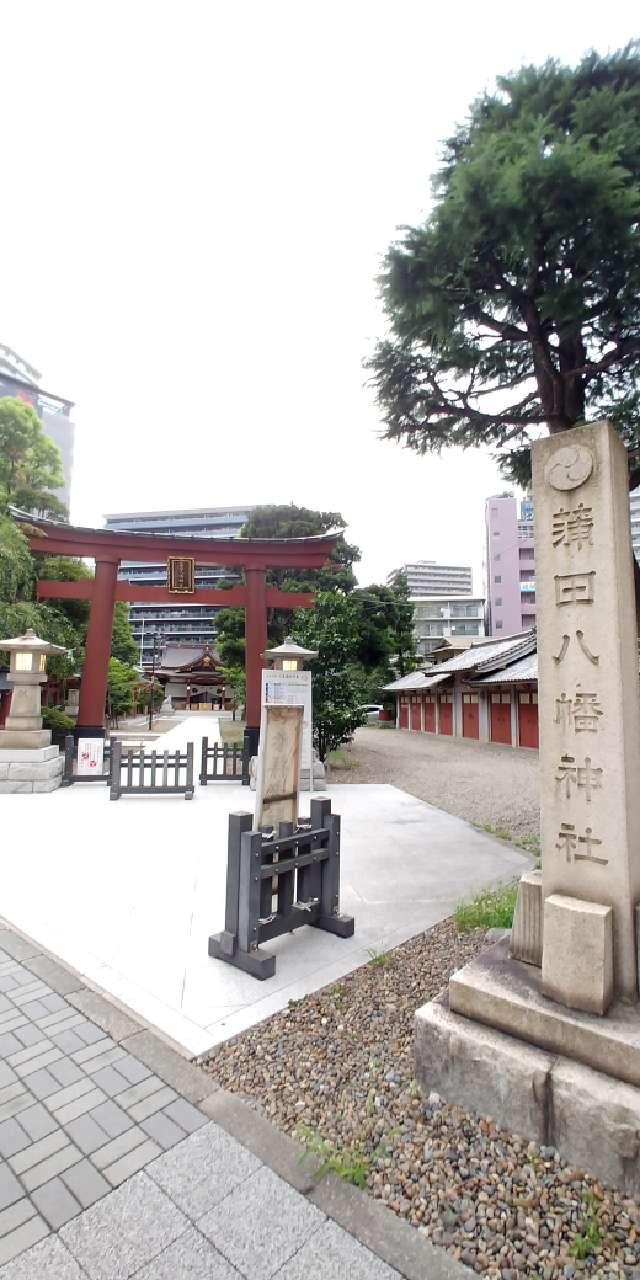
point(95, 674)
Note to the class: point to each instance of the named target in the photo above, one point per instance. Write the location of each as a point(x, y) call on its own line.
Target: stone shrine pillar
point(542, 1029)
point(589, 709)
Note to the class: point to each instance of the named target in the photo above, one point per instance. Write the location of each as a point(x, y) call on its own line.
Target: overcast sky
point(196, 200)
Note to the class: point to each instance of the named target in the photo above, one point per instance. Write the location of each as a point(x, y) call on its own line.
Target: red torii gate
point(109, 547)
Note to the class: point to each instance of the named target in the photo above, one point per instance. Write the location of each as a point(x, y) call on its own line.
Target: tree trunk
point(572, 355)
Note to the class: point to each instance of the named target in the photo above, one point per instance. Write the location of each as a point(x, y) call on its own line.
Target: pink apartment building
point(509, 566)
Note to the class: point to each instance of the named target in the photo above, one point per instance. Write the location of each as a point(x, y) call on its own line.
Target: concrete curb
point(387, 1236)
point(380, 1230)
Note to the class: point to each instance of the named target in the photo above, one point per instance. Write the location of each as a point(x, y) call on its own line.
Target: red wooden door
point(404, 716)
point(501, 718)
point(528, 720)
point(430, 717)
point(446, 717)
point(415, 716)
point(470, 715)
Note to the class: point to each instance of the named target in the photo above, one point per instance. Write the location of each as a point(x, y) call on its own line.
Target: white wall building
point(439, 617)
point(426, 578)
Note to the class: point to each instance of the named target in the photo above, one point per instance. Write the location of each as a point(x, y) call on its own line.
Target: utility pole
point(156, 637)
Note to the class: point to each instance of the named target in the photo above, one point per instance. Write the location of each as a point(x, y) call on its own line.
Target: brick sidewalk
point(111, 1167)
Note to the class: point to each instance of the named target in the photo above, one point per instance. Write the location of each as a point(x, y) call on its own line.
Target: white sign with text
point(292, 688)
point(90, 753)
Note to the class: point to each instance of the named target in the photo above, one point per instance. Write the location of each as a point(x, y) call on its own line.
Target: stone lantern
point(289, 656)
point(287, 681)
point(28, 762)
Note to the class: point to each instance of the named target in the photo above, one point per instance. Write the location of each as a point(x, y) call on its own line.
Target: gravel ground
point(486, 784)
point(340, 1064)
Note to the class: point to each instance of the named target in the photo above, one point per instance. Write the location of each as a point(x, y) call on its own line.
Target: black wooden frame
point(300, 868)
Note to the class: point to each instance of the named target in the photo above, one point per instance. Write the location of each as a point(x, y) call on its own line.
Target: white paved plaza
point(128, 892)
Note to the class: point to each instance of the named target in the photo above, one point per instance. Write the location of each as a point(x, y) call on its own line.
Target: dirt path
point(486, 784)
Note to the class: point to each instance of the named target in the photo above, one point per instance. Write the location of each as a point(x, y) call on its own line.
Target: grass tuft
point(529, 842)
point(379, 959)
point(352, 1164)
point(490, 909)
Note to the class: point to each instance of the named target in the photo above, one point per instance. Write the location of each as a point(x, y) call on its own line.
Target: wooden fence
point(224, 760)
point(144, 773)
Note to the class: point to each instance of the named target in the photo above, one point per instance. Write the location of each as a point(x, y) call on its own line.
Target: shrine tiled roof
point(478, 663)
point(486, 656)
point(514, 673)
point(417, 680)
point(176, 657)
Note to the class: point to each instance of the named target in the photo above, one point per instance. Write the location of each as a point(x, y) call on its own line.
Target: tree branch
point(509, 331)
point(621, 349)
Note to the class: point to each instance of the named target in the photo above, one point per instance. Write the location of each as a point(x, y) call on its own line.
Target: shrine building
point(192, 677)
point(487, 693)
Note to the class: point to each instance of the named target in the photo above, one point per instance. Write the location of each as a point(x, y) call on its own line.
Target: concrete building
point(438, 617)
point(17, 378)
point(426, 578)
point(634, 512)
point(509, 565)
point(180, 623)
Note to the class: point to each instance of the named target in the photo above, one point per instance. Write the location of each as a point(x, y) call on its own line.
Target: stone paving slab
point(121, 1159)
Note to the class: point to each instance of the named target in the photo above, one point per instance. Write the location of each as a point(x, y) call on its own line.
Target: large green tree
point(120, 685)
point(331, 628)
point(288, 521)
point(16, 563)
point(123, 645)
point(384, 638)
point(517, 304)
point(30, 463)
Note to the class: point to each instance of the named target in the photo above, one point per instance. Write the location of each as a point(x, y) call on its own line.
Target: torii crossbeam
point(109, 548)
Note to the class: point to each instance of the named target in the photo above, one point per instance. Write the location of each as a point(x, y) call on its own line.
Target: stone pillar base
point(24, 739)
point(541, 1096)
point(528, 919)
point(29, 771)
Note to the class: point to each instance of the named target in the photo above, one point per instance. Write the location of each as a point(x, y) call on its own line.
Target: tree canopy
point(517, 303)
point(120, 684)
point(300, 522)
point(62, 622)
point(30, 463)
point(123, 645)
point(331, 628)
point(385, 628)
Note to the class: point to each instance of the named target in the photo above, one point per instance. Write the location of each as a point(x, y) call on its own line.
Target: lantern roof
point(31, 643)
point(289, 649)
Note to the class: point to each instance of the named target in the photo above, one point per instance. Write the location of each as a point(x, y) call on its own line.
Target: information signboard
point(293, 689)
point(90, 754)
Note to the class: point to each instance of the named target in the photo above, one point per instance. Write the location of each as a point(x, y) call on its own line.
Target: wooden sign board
point(181, 575)
point(279, 757)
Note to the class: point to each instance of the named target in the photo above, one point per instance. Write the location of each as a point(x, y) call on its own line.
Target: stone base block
point(526, 933)
point(592, 1119)
point(24, 739)
point(37, 775)
point(577, 962)
point(458, 1058)
point(506, 994)
point(30, 755)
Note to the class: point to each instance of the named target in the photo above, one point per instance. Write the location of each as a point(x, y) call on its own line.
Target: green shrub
point(53, 718)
